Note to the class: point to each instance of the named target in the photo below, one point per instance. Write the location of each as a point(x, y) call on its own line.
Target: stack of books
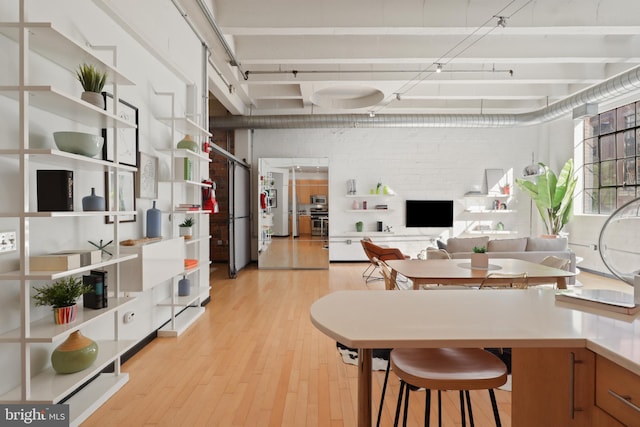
point(185, 207)
point(382, 207)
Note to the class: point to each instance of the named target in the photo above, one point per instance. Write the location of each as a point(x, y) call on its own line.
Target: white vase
point(93, 98)
point(186, 232)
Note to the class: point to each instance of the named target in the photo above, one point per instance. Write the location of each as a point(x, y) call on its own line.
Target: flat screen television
point(429, 213)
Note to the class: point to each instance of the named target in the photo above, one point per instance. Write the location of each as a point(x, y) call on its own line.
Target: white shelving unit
point(44, 385)
point(185, 310)
point(372, 200)
point(265, 228)
point(484, 213)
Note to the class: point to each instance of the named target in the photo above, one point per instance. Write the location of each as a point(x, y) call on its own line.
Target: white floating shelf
point(46, 331)
point(53, 275)
point(73, 108)
point(69, 160)
point(369, 210)
point(185, 125)
point(47, 41)
point(368, 196)
point(181, 322)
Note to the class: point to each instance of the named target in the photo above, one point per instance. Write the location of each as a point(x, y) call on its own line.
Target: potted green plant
point(92, 81)
point(186, 227)
point(480, 258)
point(553, 195)
point(62, 295)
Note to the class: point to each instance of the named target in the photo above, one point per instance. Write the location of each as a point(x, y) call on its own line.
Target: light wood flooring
point(254, 359)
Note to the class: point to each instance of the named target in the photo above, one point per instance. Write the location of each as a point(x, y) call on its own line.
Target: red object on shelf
point(190, 263)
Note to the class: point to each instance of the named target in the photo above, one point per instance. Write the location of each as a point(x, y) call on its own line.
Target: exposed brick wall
point(219, 222)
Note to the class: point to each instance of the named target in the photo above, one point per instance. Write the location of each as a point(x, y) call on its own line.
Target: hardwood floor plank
point(255, 359)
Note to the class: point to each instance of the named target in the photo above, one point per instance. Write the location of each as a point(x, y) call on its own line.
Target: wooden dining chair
point(505, 280)
point(461, 369)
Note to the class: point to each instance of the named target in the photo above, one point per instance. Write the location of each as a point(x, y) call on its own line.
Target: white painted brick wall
point(415, 163)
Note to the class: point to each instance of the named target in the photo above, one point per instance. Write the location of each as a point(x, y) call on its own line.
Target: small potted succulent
point(480, 258)
point(92, 81)
point(62, 295)
point(186, 227)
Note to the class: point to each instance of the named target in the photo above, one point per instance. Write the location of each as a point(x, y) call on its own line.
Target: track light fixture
point(502, 21)
point(372, 114)
point(438, 68)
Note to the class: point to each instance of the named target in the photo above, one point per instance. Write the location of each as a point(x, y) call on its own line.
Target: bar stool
point(461, 369)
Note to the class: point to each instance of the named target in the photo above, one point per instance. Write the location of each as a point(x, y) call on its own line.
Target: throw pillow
point(542, 244)
point(465, 244)
point(507, 245)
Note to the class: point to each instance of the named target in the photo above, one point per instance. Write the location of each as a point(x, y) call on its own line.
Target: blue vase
point(93, 202)
point(154, 221)
point(184, 287)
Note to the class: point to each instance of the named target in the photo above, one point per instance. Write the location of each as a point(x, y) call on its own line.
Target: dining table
point(460, 272)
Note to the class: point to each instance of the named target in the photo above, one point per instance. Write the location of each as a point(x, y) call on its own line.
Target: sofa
point(533, 249)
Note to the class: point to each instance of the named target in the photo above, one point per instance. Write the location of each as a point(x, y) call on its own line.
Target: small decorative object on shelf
point(359, 225)
point(85, 144)
point(355, 205)
point(62, 295)
point(188, 144)
point(479, 258)
point(92, 81)
point(54, 190)
point(75, 354)
point(184, 287)
point(102, 246)
point(154, 221)
point(186, 228)
point(351, 186)
point(93, 202)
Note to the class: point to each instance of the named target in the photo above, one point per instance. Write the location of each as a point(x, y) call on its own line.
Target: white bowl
point(86, 144)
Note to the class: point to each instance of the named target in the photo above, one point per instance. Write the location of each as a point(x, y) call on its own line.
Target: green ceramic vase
point(75, 354)
point(188, 143)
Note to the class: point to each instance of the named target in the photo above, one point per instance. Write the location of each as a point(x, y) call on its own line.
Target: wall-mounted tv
point(429, 213)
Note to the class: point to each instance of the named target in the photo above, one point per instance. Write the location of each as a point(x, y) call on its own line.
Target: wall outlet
point(128, 317)
point(8, 241)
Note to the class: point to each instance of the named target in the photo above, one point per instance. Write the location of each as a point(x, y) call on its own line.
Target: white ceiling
point(357, 56)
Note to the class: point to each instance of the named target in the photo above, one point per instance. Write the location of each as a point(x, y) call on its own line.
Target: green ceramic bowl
point(86, 144)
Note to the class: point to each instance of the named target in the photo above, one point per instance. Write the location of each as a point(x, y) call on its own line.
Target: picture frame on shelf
point(147, 176)
point(126, 194)
point(128, 143)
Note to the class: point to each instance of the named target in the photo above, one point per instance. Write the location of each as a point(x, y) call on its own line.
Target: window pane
point(591, 127)
point(607, 200)
point(607, 147)
point(626, 116)
point(591, 150)
point(626, 144)
point(625, 195)
point(608, 122)
point(638, 170)
point(626, 172)
point(591, 175)
point(591, 202)
point(638, 140)
point(608, 173)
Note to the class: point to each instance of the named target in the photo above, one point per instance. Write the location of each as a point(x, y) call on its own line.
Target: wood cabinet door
point(553, 387)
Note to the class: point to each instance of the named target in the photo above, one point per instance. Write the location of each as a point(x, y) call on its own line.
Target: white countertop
point(475, 318)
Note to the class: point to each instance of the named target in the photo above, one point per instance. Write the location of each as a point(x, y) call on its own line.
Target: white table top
point(475, 318)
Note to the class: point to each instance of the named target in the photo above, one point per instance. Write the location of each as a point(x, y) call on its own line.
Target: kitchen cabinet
point(304, 225)
point(617, 393)
point(560, 380)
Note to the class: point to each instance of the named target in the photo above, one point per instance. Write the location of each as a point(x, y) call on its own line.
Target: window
point(611, 159)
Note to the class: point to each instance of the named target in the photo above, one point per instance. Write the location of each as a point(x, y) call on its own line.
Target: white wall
point(415, 163)
point(88, 24)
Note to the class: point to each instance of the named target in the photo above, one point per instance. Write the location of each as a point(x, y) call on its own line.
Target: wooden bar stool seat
point(439, 369)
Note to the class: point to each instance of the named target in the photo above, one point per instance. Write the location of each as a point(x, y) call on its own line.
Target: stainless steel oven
point(319, 225)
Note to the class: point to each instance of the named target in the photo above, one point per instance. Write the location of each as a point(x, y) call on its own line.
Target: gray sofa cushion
point(507, 245)
point(542, 244)
point(466, 244)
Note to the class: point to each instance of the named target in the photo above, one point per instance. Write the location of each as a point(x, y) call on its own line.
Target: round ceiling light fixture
point(347, 97)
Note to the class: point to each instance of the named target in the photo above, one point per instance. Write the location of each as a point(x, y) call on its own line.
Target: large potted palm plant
point(553, 195)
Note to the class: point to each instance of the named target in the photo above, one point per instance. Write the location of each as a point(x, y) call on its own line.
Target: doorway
point(293, 220)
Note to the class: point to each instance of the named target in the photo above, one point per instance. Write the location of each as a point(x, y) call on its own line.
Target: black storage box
point(55, 190)
point(98, 297)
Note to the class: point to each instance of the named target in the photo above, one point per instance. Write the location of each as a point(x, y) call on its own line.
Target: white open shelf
point(373, 210)
point(181, 322)
point(185, 125)
point(46, 331)
point(54, 275)
point(68, 160)
point(48, 386)
point(368, 196)
point(73, 108)
point(47, 41)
